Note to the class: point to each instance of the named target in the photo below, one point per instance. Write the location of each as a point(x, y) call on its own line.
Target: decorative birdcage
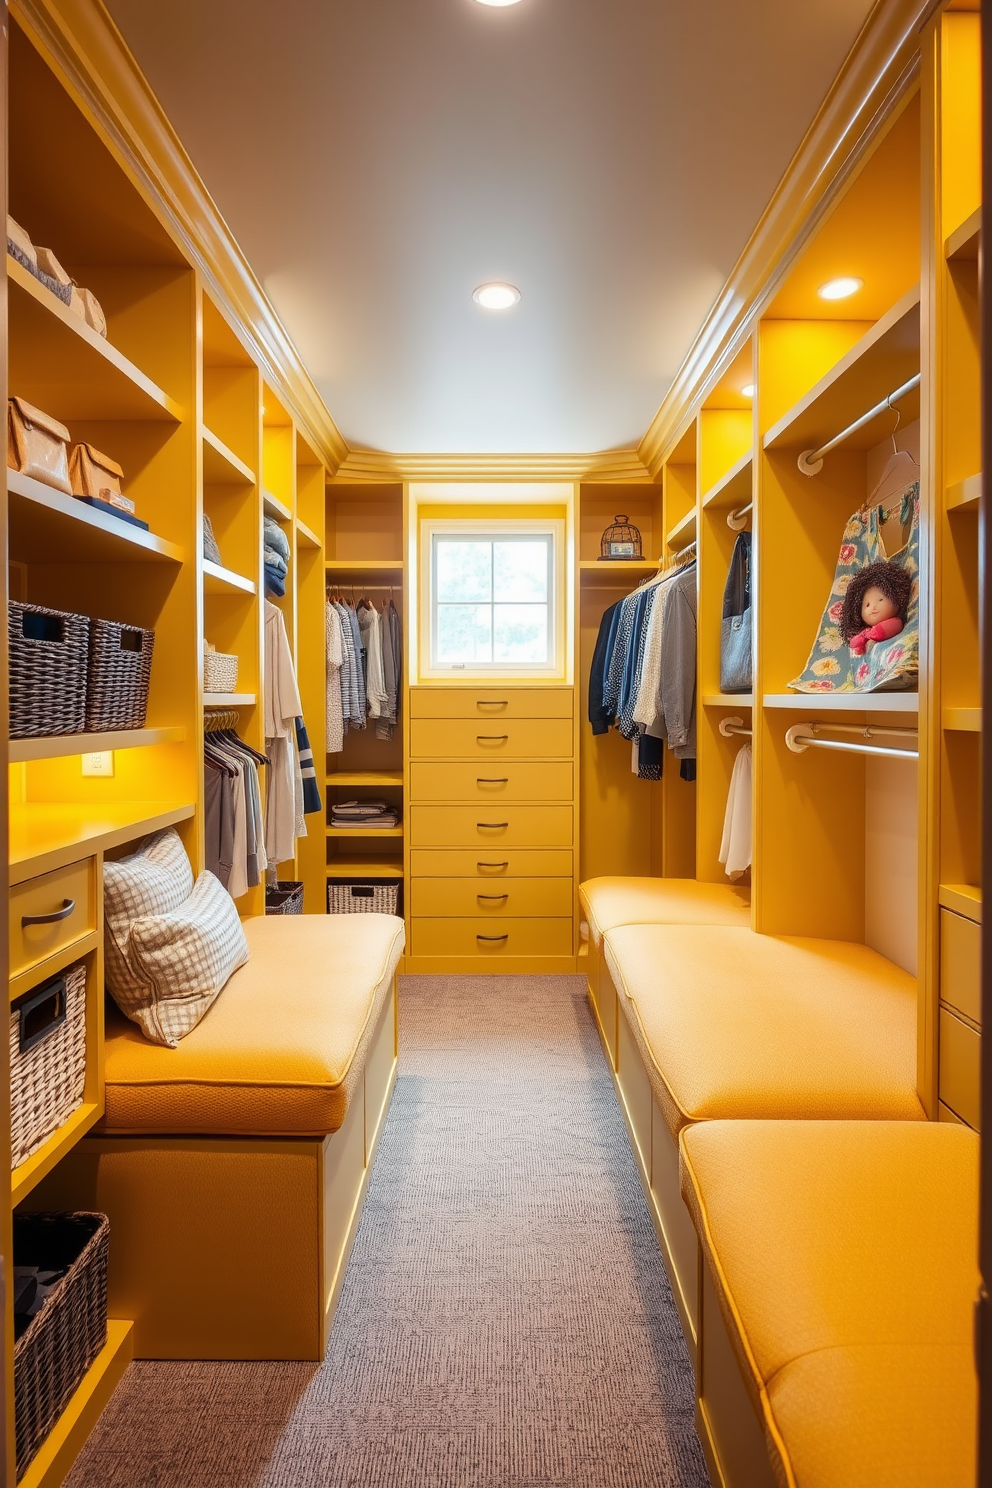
point(621, 541)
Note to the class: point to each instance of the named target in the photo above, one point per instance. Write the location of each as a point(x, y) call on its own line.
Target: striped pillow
point(182, 960)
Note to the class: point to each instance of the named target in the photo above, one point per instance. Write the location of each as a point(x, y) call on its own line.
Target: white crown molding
point(376, 467)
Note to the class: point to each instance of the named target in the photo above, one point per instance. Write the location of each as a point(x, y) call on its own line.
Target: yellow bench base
point(232, 1248)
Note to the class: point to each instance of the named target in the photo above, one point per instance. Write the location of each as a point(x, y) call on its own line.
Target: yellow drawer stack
point(491, 829)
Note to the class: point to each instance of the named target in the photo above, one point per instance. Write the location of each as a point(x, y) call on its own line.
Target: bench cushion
point(280, 1051)
point(844, 1255)
point(608, 902)
point(732, 1024)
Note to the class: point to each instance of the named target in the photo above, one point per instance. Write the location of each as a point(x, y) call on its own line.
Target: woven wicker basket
point(284, 897)
point(60, 1343)
point(49, 652)
point(220, 672)
point(47, 1060)
point(119, 672)
point(362, 896)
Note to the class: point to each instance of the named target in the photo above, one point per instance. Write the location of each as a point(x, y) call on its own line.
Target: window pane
point(521, 633)
point(464, 570)
point(464, 634)
point(521, 571)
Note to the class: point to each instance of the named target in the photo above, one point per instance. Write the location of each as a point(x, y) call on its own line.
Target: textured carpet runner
point(505, 1321)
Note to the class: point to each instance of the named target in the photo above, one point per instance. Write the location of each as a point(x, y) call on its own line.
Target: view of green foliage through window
point(493, 600)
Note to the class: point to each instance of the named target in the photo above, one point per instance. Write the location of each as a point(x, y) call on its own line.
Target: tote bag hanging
point(735, 628)
point(887, 666)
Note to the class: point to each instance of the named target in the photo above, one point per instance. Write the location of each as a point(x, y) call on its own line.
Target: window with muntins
point(492, 601)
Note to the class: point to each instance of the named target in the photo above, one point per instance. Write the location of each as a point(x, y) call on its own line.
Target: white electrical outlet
point(101, 763)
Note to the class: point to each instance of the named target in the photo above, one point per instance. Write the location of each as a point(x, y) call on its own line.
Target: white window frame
point(496, 528)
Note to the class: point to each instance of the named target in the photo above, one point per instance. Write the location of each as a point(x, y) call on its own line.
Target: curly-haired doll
point(875, 605)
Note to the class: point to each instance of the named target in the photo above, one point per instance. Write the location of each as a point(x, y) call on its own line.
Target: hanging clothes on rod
point(364, 666)
point(284, 806)
point(233, 826)
point(736, 846)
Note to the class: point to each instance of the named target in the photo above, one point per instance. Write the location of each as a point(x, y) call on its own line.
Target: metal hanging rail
point(731, 726)
point(811, 461)
point(803, 736)
point(737, 520)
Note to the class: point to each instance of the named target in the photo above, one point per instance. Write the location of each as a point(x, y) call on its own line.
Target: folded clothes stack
point(363, 814)
point(275, 557)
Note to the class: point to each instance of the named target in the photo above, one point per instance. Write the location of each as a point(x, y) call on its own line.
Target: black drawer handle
point(491, 826)
point(492, 896)
point(492, 937)
point(68, 905)
point(490, 738)
point(492, 865)
point(491, 780)
point(41, 1014)
point(492, 702)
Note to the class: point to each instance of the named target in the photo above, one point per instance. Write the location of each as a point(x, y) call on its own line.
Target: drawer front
point(960, 1068)
point(491, 940)
point(491, 702)
point(960, 964)
point(490, 739)
point(511, 781)
point(47, 895)
point(449, 862)
point(491, 826)
point(512, 898)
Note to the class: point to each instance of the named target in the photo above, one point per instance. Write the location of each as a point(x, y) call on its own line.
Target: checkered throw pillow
point(155, 880)
point(182, 961)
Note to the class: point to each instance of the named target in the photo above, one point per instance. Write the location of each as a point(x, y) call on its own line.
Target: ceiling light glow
point(496, 296)
point(499, 2)
point(840, 289)
point(747, 391)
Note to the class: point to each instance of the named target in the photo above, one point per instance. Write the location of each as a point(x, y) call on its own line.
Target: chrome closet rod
point(729, 726)
point(802, 736)
point(736, 519)
point(811, 461)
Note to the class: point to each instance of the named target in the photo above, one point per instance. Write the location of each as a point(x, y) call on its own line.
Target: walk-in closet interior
point(494, 642)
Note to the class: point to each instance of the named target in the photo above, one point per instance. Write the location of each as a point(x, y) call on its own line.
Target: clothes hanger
point(901, 470)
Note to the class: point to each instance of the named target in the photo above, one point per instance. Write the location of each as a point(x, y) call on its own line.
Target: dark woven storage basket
point(49, 653)
point(120, 670)
point(61, 1342)
point(363, 896)
point(284, 897)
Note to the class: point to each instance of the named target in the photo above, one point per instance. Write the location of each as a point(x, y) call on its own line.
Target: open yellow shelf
point(963, 899)
point(67, 1437)
point(60, 364)
point(886, 357)
point(366, 777)
point(363, 565)
point(229, 699)
point(275, 508)
point(221, 466)
point(364, 831)
point(41, 1163)
point(729, 700)
point(365, 868)
point(844, 702)
point(964, 496)
point(965, 241)
point(962, 720)
point(682, 533)
point(218, 580)
point(44, 835)
point(62, 745)
point(734, 488)
point(306, 536)
point(46, 526)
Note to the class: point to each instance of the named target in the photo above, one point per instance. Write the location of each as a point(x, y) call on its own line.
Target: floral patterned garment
point(891, 665)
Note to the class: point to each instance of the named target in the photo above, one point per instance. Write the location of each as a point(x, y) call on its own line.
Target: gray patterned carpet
point(505, 1321)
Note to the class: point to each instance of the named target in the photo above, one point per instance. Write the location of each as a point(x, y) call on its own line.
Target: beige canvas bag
point(49, 264)
point(94, 474)
point(36, 445)
point(85, 303)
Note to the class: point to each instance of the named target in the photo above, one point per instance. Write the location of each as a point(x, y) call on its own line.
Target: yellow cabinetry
point(491, 828)
point(47, 914)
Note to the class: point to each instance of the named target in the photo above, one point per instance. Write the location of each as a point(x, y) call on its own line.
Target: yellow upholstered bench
point(836, 1343)
point(233, 1167)
point(610, 902)
point(717, 1022)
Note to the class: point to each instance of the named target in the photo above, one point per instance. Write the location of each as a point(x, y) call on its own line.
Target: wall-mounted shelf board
point(734, 488)
point(844, 702)
point(59, 364)
point(229, 699)
point(363, 565)
point(365, 868)
point(682, 533)
point(364, 831)
point(962, 720)
point(886, 357)
point(30, 1173)
point(221, 466)
point(275, 509)
point(218, 580)
point(44, 835)
point(963, 899)
point(68, 744)
point(67, 1437)
point(366, 777)
point(964, 496)
point(306, 536)
point(618, 565)
point(45, 526)
point(965, 241)
point(729, 700)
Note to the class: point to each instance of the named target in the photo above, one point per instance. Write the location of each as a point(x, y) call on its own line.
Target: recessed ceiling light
point(840, 289)
point(499, 2)
point(496, 296)
point(747, 391)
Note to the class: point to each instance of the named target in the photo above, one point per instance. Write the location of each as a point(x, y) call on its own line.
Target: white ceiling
point(378, 159)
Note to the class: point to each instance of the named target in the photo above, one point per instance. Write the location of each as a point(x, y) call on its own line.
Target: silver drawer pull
point(482, 780)
point(68, 905)
point(492, 865)
point(492, 937)
point(490, 738)
point(492, 826)
point(492, 896)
